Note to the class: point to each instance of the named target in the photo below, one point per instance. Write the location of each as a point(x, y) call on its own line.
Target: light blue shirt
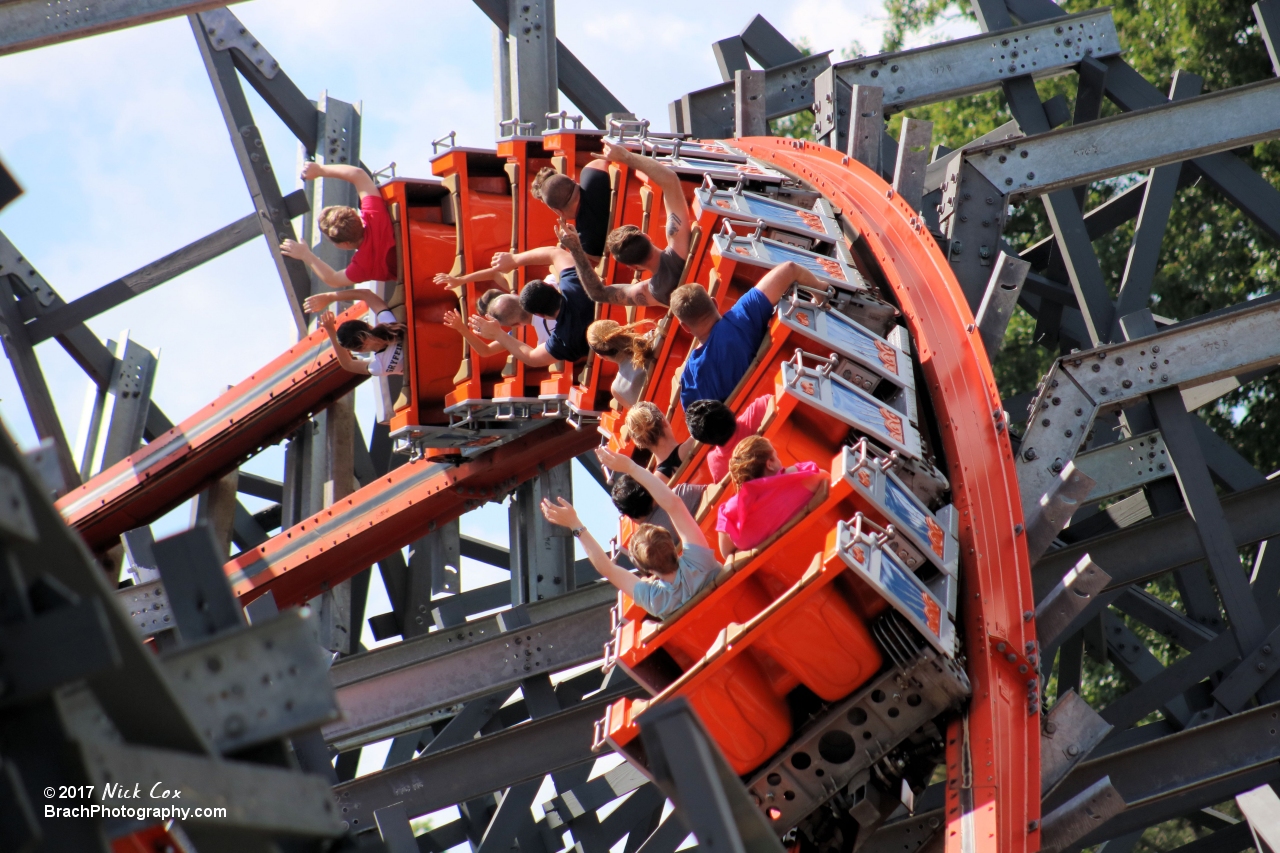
point(661, 598)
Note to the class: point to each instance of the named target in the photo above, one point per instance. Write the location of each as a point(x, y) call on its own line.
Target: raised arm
point(491, 274)
point(686, 526)
point(550, 256)
point(324, 272)
point(563, 514)
point(776, 281)
point(353, 175)
point(320, 301)
point(454, 321)
point(679, 220)
point(614, 294)
point(532, 356)
point(329, 323)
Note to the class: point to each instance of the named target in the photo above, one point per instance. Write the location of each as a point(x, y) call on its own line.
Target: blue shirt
point(714, 369)
point(568, 340)
point(661, 598)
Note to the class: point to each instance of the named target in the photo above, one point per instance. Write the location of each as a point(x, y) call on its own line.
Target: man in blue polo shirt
point(724, 347)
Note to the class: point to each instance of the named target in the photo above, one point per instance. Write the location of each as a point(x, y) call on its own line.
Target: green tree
point(1213, 256)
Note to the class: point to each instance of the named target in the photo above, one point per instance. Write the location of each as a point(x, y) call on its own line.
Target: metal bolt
point(1008, 182)
point(1027, 615)
point(1011, 657)
point(1004, 42)
point(1056, 467)
point(1031, 176)
point(1033, 826)
point(1156, 348)
point(1023, 154)
point(1017, 530)
point(1057, 401)
point(1068, 433)
point(1029, 454)
point(1097, 367)
point(893, 68)
point(1000, 647)
point(1073, 750)
point(1164, 377)
point(1103, 389)
point(1127, 383)
point(1044, 422)
point(1050, 727)
point(1079, 412)
point(1003, 158)
point(875, 72)
point(1262, 667)
point(1161, 466)
point(1266, 650)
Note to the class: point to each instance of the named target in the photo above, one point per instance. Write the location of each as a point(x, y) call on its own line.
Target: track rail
point(993, 761)
point(258, 411)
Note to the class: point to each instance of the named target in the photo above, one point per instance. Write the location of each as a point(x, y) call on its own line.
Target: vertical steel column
point(531, 37)
point(256, 167)
point(502, 110)
point(35, 391)
point(541, 552)
point(116, 413)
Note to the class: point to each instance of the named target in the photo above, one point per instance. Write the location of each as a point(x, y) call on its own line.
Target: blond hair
point(653, 550)
point(646, 423)
point(750, 460)
point(608, 337)
point(691, 302)
point(341, 224)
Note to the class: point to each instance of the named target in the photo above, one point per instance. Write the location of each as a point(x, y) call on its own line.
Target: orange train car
point(879, 548)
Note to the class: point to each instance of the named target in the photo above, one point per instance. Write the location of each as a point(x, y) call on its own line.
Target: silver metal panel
point(1126, 465)
point(854, 406)
point(147, 606)
point(254, 684)
point(851, 342)
point(1143, 139)
point(861, 547)
point(754, 207)
point(980, 63)
point(766, 253)
point(860, 730)
point(929, 537)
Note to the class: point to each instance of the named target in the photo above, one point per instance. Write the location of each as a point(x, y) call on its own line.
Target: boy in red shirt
point(368, 231)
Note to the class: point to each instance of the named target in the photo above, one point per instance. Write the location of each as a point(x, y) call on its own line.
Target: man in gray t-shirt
point(632, 247)
point(634, 501)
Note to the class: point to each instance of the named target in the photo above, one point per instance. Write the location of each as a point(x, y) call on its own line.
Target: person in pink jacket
point(768, 495)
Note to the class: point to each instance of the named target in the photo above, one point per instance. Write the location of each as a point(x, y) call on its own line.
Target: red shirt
point(375, 260)
point(748, 422)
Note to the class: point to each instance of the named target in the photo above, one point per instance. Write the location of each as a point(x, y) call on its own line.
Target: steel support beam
point(27, 24)
point(959, 67)
point(255, 165)
point(398, 688)
point(156, 273)
point(1143, 552)
point(1152, 137)
point(480, 766)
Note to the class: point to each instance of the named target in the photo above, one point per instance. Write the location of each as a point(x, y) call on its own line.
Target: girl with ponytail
point(384, 342)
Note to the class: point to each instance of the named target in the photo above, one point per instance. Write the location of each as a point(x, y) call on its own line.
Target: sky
point(124, 157)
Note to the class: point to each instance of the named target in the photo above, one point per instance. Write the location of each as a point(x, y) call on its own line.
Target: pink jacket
point(763, 506)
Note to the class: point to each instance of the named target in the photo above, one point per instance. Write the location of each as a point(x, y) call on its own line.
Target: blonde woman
point(627, 347)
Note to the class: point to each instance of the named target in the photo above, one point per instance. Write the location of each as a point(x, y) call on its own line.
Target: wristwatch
point(577, 532)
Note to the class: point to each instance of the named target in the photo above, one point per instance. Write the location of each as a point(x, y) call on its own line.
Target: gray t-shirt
point(664, 281)
point(661, 598)
point(690, 494)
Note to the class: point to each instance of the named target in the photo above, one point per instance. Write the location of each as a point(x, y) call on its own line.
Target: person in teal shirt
point(671, 577)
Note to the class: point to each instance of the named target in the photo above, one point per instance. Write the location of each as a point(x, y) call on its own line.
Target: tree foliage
point(1213, 255)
